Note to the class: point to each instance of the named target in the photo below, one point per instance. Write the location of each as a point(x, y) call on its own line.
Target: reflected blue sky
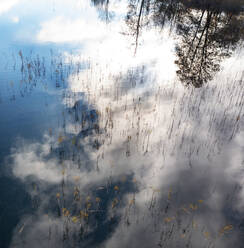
point(102, 147)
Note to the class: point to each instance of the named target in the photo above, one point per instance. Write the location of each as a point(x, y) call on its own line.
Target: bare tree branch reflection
point(208, 32)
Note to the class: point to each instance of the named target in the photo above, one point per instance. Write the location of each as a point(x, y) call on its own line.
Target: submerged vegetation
point(109, 138)
point(135, 160)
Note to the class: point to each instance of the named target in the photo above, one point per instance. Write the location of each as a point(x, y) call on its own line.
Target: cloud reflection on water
point(147, 161)
point(174, 145)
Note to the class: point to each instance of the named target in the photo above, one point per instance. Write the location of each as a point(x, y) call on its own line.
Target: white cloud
point(84, 25)
point(61, 29)
point(6, 5)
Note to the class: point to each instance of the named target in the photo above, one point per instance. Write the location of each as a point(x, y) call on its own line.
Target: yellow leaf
point(116, 187)
point(169, 194)
point(206, 234)
point(58, 195)
point(168, 219)
point(65, 212)
point(193, 207)
point(60, 139)
point(74, 219)
point(227, 228)
point(156, 190)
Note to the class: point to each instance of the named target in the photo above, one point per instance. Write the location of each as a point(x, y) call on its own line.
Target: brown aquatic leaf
point(123, 179)
point(76, 178)
point(169, 194)
point(226, 229)
point(185, 210)
point(115, 202)
point(83, 214)
point(132, 202)
point(65, 212)
point(168, 219)
point(22, 228)
point(76, 192)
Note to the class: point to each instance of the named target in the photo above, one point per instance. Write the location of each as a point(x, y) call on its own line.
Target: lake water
point(121, 123)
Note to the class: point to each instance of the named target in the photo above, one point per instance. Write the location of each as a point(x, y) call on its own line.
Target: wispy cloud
point(6, 5)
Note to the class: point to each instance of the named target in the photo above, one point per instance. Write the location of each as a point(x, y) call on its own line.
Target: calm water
point(121, 123)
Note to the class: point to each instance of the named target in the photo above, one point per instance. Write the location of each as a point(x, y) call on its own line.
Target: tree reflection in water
point(102, 4)
point(208, 32)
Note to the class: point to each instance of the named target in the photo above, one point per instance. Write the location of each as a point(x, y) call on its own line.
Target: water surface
point(121, 123)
